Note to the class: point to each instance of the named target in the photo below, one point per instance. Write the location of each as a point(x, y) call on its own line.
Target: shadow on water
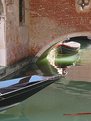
point(11, 117)
point(16, 113)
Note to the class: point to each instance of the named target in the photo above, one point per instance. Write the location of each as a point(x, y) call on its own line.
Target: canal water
point(65, 100)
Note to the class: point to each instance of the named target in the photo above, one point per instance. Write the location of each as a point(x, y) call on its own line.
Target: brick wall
point(46, 20)
point(63, 12)
point(53, 18)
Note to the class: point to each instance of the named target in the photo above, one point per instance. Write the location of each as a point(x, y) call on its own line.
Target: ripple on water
point(74, 87)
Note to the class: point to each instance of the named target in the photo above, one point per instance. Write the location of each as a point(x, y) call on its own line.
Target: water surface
point(66, 96)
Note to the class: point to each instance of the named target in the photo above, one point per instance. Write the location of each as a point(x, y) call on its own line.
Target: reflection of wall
point(80, 73)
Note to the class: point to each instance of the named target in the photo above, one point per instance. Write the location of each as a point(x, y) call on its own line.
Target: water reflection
point(74, 87)
point(60, 57)
point(72, 66)
point(75, 71)
point(68, 95)
point(50, 104)
point(82, 71)
point(62, 61)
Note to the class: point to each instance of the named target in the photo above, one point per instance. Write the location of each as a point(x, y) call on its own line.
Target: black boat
point(68, 47)
point(17, 90)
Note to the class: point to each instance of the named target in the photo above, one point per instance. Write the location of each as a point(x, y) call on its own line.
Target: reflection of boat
point(16, 90)
point(67, 60)
point(68, 47)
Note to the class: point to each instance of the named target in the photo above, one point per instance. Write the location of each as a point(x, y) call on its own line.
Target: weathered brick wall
point(54, 18)
point(46, 20)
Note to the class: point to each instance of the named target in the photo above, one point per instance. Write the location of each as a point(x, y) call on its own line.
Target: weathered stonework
point(46, 22)
point(17, 36)
point(83, 5)
point(14, 38)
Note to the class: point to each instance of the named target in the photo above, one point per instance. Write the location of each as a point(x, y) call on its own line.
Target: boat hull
point(20, 95)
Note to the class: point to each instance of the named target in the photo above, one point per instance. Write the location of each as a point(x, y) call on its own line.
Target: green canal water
point(52, 103)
